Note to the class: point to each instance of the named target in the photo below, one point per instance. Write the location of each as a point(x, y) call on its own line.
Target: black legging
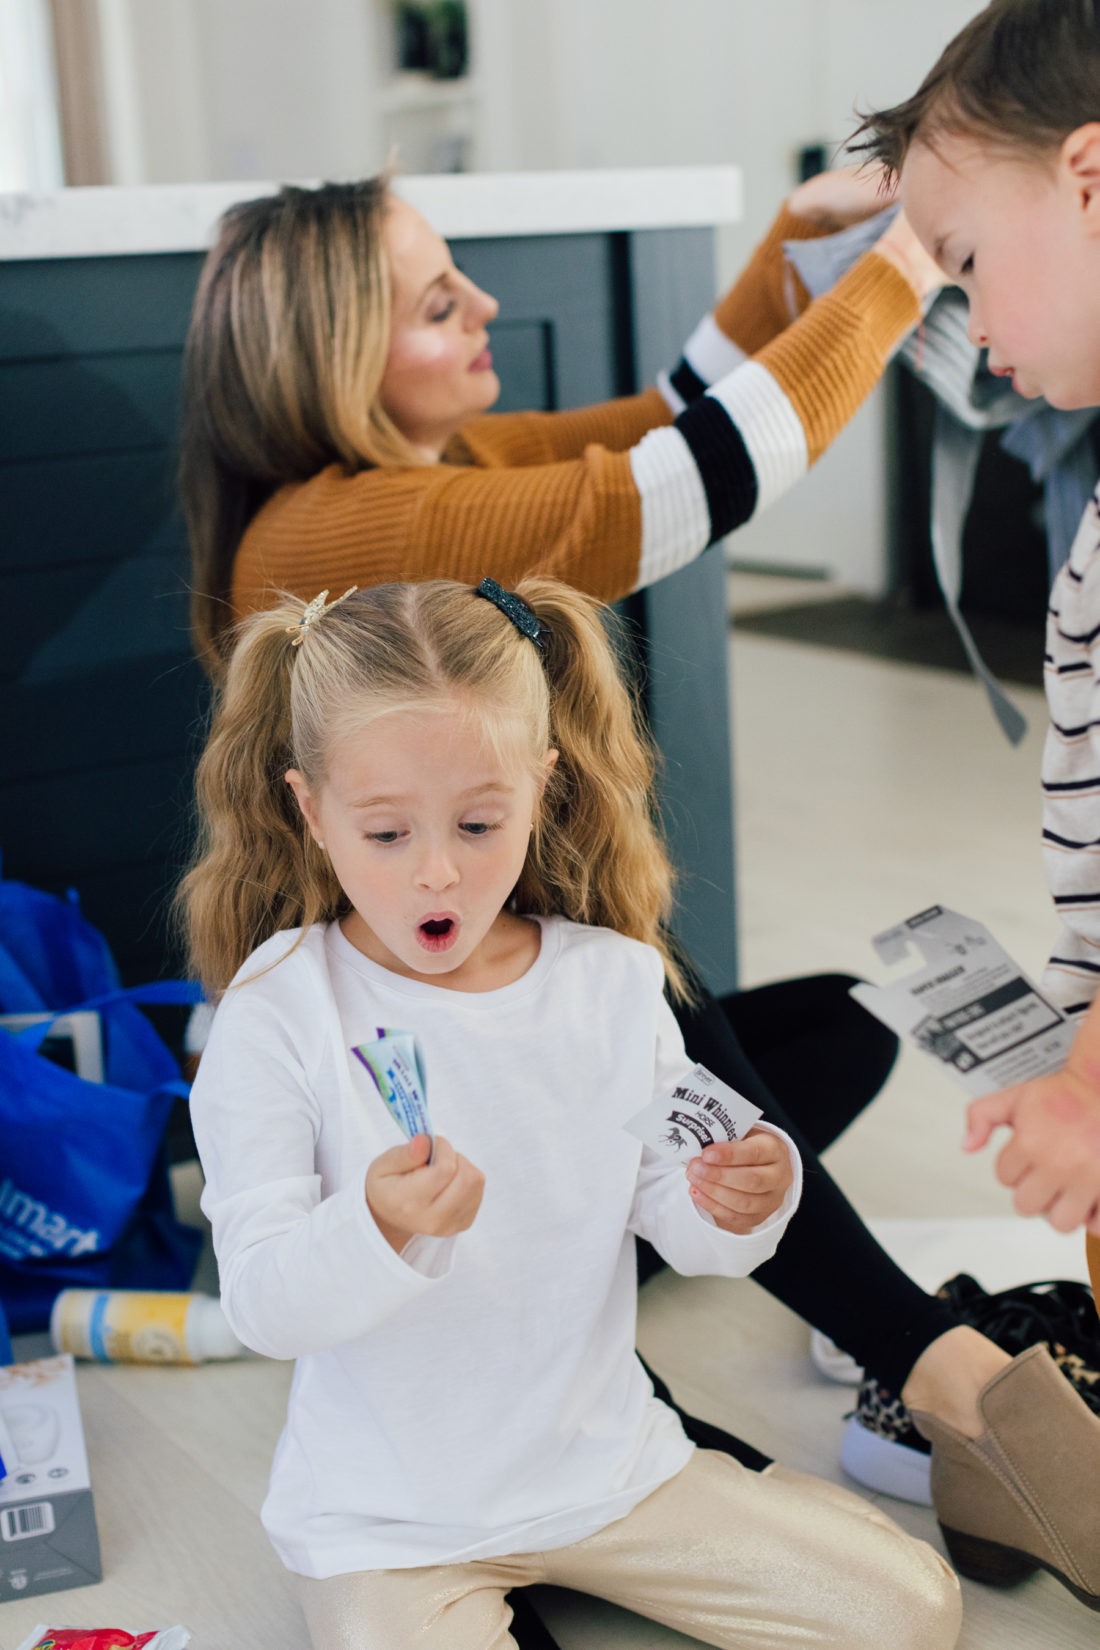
point(811, 1058)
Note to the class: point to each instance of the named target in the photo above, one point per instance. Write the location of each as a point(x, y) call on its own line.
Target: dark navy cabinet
point(101, 704)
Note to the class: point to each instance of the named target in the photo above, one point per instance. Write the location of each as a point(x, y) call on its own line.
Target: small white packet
point(970, 1006)
point(699, 1111)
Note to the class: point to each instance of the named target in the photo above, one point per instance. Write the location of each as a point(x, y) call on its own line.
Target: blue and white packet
point(699, 1111)
point(396, 1065)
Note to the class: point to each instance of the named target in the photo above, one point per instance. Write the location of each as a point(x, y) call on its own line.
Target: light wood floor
point(866, 791)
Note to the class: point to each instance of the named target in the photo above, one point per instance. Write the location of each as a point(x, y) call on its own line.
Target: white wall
point(676, 82)
point(219, 89)
point(30, 136)
point(155, 112)
point(871, 54)
point(288, 87)
point(207, 90)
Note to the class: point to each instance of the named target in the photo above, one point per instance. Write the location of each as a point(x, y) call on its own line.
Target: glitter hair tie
point(515, 608)
point(314, 611)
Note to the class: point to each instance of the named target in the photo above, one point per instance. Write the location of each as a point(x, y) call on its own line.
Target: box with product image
point(48, 1537)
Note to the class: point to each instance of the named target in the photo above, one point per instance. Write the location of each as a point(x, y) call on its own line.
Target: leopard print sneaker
point(882, 1449)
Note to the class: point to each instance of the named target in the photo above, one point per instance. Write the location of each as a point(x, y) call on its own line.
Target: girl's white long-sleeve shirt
point(474, 1395)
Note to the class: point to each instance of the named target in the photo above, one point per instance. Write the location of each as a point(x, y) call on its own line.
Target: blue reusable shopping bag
point(52, 959)
point(84, 1194)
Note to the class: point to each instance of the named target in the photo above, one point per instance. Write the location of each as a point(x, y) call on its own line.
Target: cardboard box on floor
point(48, 1537)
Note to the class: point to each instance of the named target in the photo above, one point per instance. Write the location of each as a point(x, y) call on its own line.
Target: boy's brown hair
point(1021, 75)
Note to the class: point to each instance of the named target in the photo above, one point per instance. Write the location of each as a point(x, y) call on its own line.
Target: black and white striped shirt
point(1071, 769)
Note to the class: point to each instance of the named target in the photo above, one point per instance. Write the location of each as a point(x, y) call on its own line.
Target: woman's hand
point(844, 196)
point(847, 195)
point(900, 245)
point(742, 1182)
point(1052, 1161)
point(410, 1197)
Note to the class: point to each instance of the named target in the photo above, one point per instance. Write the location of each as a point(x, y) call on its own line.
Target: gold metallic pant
point(756, 1561)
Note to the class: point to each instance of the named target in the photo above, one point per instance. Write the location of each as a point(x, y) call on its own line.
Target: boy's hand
point(742, 1182)
point(409, 1197)
point(1053, 1158)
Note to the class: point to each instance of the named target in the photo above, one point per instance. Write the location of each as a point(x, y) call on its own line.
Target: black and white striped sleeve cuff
point(708, 356)
point(731, 452)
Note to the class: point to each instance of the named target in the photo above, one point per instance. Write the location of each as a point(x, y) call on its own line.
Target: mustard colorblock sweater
point(614, 496)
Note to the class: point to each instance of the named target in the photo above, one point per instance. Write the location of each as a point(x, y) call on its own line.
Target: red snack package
point(104, 1638)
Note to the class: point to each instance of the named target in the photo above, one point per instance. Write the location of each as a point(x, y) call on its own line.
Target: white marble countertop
point(81, 223)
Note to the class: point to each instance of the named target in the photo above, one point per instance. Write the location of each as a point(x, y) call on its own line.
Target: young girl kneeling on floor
point(428, 807)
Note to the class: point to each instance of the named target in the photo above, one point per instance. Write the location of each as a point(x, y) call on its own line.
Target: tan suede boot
point(1027, 1492)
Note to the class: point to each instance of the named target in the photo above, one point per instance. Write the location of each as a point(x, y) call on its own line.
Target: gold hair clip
point(315, 610)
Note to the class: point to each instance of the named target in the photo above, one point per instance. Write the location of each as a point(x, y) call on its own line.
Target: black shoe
point(1059, 1314)
point(883, 1450)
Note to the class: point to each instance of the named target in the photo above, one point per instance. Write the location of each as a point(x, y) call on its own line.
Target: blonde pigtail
point(256, 869)
point(597, 855)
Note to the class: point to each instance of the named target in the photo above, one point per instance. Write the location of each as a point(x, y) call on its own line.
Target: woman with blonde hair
point(338, 432)
point(338, 374)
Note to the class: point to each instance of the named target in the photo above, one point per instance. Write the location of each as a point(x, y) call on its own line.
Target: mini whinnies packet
point(699, 1111)
point(396, 1064)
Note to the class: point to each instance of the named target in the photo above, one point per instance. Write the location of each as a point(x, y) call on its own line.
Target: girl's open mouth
point(437, 933)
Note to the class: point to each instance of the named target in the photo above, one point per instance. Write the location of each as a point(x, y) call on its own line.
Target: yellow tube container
point(141, 1326)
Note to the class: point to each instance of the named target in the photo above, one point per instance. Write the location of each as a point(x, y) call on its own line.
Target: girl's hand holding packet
point(411, 1195)
point(738, 1174)
point(424, 1189)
